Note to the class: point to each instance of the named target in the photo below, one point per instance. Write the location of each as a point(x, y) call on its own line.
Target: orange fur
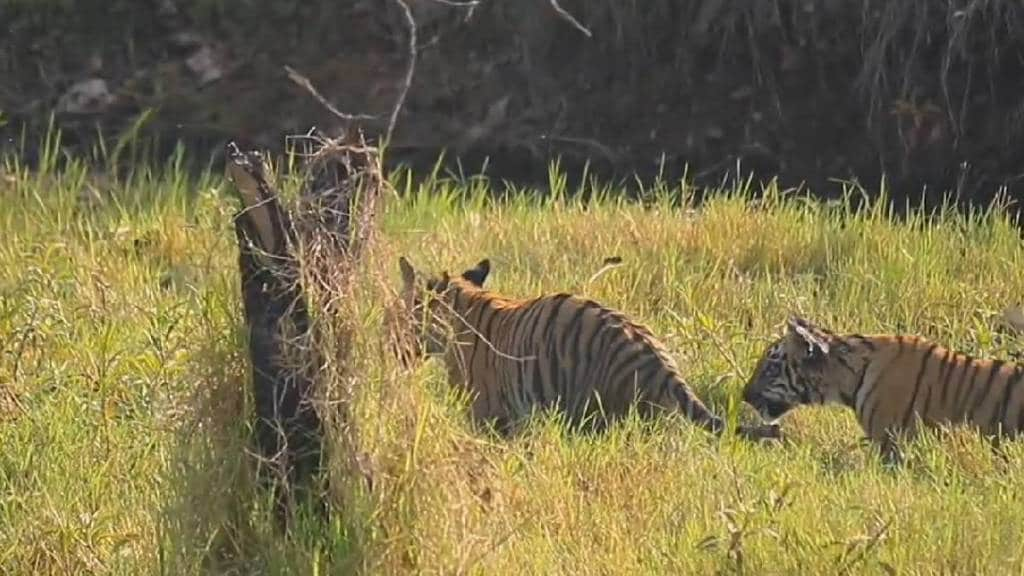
point(894, 384)
point(556, 351)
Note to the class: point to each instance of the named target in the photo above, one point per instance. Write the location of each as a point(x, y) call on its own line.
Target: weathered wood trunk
point(288, 430)
point(288, 263)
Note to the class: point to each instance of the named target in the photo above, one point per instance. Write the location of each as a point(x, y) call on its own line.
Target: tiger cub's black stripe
point(890, 381)
point(515, 356)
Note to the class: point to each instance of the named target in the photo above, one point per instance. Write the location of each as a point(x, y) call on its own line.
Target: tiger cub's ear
point(478, 274)
point(816, 339)
point(408, 272)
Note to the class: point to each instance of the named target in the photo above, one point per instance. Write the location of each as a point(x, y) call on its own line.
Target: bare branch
point(570, 18)
point(603, 149)
point(304, 83)
point(467, 4)
point(409, 71)
point(413, 53)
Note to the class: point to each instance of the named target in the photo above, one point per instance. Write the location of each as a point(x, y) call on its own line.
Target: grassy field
point(123, 378)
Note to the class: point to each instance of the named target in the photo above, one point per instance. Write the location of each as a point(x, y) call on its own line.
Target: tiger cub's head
point(420, 322)
point(794, 371)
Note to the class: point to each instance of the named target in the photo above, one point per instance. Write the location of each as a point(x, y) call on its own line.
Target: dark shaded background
point(931, 94)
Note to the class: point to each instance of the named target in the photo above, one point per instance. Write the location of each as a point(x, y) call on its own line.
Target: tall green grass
point(121, 344)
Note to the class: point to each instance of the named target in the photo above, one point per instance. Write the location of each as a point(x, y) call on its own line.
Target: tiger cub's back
point(559, 351)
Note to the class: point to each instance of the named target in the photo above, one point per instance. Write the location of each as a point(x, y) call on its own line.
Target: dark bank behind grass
point(924, 92)
point(121, 338)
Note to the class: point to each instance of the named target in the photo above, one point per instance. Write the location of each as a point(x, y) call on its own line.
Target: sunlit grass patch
point(120, 337)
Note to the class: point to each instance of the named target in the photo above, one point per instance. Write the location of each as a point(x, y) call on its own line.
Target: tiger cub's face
point(791, 372)
point(421, 319)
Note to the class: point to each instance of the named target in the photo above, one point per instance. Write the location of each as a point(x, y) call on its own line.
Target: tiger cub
point(892, 383)
point(557, 351)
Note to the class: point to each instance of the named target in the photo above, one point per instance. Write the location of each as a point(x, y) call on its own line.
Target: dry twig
point(609, 263)
point(409, 71)
point(413, 54)
point(304, 83)
point(570, 19)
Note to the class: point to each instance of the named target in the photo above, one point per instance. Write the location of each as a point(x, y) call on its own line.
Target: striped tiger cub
point(556, 351)
point(893, 383)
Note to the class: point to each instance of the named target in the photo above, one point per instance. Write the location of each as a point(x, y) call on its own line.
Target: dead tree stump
point(287, 429)
point(285, 263)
